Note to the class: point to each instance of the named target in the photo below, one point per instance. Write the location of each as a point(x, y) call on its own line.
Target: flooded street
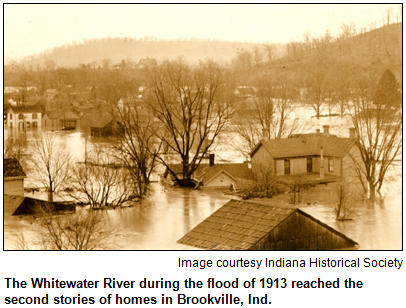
point(158, 222)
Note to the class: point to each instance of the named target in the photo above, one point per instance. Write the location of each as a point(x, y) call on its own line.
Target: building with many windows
point(316, 156)
point(23, 117)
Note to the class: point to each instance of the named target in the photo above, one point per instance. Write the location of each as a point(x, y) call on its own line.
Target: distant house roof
point(244, 225)
point(306, 145)
point(12, 168)
point(65, 113)
point(78, 90)
point(245, 91)
point(25, 109)
point(246, 113)
point(101, 121)
point(19, 205)
point(51, 91)
point(147, 62)
point(205, 173)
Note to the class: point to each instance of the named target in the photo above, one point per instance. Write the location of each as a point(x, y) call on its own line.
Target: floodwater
point(158, 222)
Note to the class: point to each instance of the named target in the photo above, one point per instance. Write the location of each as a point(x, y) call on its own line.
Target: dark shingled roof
point(25, 109)
point(20, 205)
point(12, 168)
point(306, 145)
point(65, 114)
point(239, 225)
point(101, 121)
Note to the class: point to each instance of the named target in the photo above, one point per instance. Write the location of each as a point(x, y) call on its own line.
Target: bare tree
point(378, 131)
point(15, 145)
point(137, 145)
point(272, 114)
point(285, 95)
point(50, 65)
point(100, 181)
point(307, 42)
point(342, 87)
point(243, 61)
point(106, 63)
point(317, 85)
point(192, 105)
point(263, 103)
point(244, 135)
point(293, 49)
point(257, 55)
point(270, 50)
point(50, 163)
point(82, 230)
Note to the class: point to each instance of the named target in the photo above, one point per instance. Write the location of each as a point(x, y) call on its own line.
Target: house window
point(287, 166)
point(330, 165)
point(34, 116)
point(11, 116)
point(21, 116)
point(309, 163)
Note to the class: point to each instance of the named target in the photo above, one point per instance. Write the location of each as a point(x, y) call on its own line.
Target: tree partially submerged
point(317, 86)
point(15, 145)
point(192, 105)
point(378, 131)
point(272, 114)
point(82, 230)
point(50, 163)
point(100, 182)
point(137, 146)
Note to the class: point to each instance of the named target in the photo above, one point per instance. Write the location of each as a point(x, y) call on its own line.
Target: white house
point(23, 117)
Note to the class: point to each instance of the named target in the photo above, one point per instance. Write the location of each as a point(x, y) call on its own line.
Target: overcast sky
point(31, 28)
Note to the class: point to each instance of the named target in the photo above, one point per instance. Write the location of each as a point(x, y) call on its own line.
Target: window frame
point(330, 165)
point(309, 159)
point(286, 166)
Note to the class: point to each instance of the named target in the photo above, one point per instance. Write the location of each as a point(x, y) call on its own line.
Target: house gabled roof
point(12, 168)
point(20, 205)
point(306, 145)
point(205, 173)
point(235, 171)
point(101, 121)
point(245, 91)
point(64, 113)
point(25, 109)
point(240, 225)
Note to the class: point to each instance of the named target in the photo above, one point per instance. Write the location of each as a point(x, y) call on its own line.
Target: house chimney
point(211, 160)
point(318, 131)
point(326, 129)
point(265, 133)
point(352, 133)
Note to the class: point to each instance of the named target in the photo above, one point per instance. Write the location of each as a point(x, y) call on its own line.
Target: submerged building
point(254, 225)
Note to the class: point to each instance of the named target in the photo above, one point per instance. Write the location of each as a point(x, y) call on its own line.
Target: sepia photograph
point(268, 127)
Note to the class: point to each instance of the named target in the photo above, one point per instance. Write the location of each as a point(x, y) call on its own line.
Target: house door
point(309, 165)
